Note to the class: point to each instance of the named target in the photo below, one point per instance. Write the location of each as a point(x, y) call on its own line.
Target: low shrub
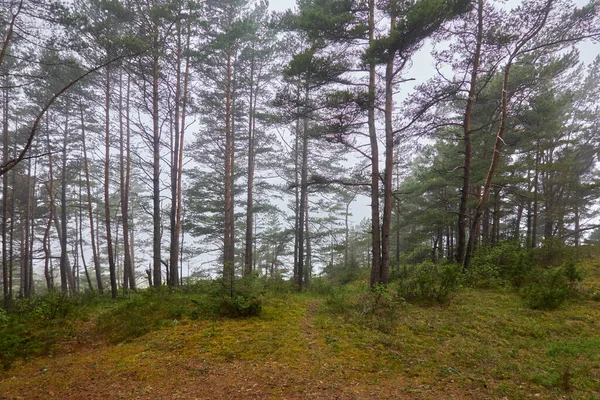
point(506, 263)
point(379, 308)
point(238, 298)
point(429, 283)
point(550, 288)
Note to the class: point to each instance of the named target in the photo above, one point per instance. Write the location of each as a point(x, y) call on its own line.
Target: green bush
point(240, 306)
point(375, 308)
point(550, 288)
point(429, 283)
point(29, 327)
point(238, 298)
point(144, 312)
point(507, 263)
point(379, 308)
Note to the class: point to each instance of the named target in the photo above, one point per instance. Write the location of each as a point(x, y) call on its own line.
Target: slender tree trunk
point(389, 168)
point(466, 186)
point(107, 217)
point(375, 227)
point(156, 240)
point(174, 248)
point(248, 256)
point(46, 239)
point(303, 193)
point(80, 230)
point(347, 231)
point(534, 217)
point(186, 75)
point(25, 238)
point(493, 166)
point(65, 266)
point(127, 238)
point(3, 228)
point(86, 170)
point(124, 163)
point(297, 188)
point(229, 251)
point(308, 264)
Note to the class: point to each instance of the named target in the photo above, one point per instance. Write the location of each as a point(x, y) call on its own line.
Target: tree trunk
point(534, 217)
point(375, 227)
point(466, 186)
point(174, 248)
point(124, 164)
point(389, 168)
point(178, 227)
point(107, 217)
point(25, 238)
point(308, 264)
point(296, 188)
point(80, 231)
point(248, 256)
point(493, 166)
point(156, 217)
point(66, 275)
point(86, 170)
point(229, 251)
point(303, 193)
point(5, 148)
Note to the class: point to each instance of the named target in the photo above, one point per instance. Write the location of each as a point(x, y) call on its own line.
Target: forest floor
point(483, 345)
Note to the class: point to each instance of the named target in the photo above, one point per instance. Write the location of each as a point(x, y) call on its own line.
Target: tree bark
point(248, 255)
point(303, 193)
point(375, 227)
point(86, 170)
point(125, 163)
point(5, 148)
point(389, 167)
point(156, 217)
point(466, 186)
point(229, 251)
point(107, 217)
point(174, 248)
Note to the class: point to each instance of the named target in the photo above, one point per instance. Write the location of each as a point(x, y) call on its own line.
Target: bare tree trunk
point(125, 163)
point(536, 184)
point(303, 194)
point(86, 170)
point(174, 248)
point(466, 187)
point(386, 225)
point(492, 171)
point(128, 238)
point(156, 240)
point(375, 227)
point(347, 231)
point(46, 245)
point(66, 274)
point(109, 245)
point(229, 251)
point(5, 148)
point(186, 76)
point(248, 256)
point(308, 266)
point(296, 188)
point(80, 230)
point(25, 238)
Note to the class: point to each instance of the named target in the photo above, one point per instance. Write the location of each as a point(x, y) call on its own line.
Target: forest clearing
point(482, 344)
point(337, 199)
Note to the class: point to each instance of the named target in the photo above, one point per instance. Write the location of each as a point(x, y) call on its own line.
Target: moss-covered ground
point(484, 344)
